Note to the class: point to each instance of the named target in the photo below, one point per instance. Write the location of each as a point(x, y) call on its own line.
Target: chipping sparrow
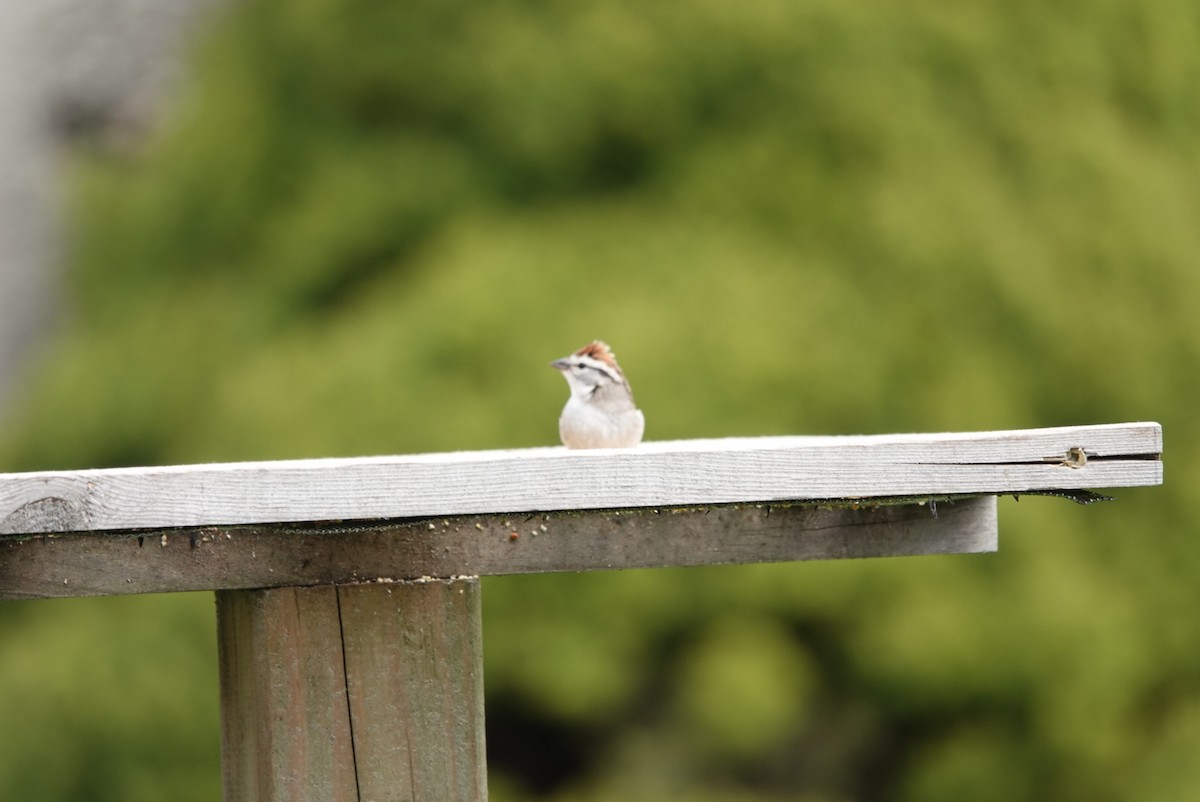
point(600, 412)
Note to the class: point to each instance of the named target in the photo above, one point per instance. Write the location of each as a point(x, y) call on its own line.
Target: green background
point(365, 228)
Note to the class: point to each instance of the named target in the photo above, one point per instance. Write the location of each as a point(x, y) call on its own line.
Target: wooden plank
point(255, 557)
point(363, 693)
point(677, 473)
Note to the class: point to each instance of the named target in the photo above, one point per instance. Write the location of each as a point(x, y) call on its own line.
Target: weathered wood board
point(656, 474)
point(222, 558)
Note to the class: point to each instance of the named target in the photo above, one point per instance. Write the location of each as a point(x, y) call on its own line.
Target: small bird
point(600, 412)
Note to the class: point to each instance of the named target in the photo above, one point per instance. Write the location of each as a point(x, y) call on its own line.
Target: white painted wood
point(668, 473)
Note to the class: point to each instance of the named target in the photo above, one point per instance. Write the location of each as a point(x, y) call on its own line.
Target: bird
point(600, 412)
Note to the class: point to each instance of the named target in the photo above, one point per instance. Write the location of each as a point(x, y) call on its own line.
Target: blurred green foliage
point(366, 227)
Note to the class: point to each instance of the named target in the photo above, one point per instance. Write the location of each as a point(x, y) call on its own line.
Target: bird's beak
point(560, 364)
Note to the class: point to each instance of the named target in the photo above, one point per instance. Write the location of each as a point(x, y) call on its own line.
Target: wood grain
point(285, 716)
point(414, 663)
point(87, 564)
point(675, 473)
point(364, 693)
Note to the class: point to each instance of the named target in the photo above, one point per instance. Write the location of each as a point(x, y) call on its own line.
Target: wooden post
point(370, 692)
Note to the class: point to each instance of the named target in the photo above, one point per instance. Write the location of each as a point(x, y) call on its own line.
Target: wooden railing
point(348, 602)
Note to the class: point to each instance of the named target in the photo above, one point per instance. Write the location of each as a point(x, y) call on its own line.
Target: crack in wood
point(1071, 458)
point(349, 707)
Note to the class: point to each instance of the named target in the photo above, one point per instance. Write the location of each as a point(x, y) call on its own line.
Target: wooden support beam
point(354, 693)
point(223, 558)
